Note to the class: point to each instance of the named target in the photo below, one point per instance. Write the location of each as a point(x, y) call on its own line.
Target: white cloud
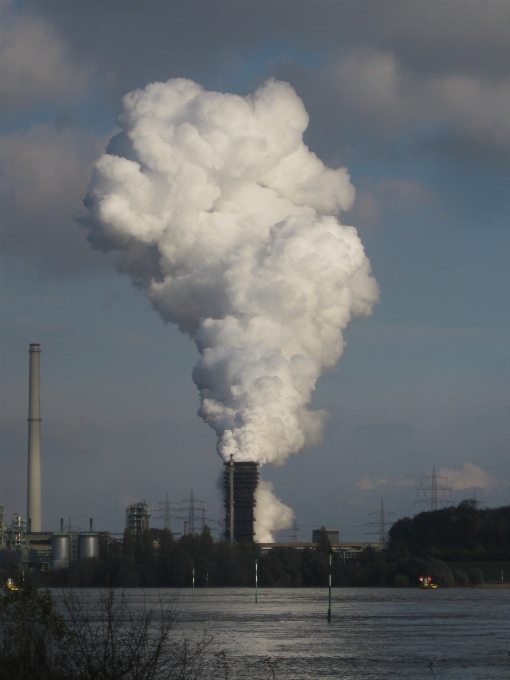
point(470, 477)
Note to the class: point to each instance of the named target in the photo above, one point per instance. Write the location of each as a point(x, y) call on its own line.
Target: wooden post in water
point(193, 584)
point(256, 581)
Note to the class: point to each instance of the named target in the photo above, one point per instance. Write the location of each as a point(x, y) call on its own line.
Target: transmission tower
point(436, 488)
point(382, 523)
point(295, 532)
point(191, 513)
point(165, 512)
point(191, 510)
point(191, 519)
point(476, 502)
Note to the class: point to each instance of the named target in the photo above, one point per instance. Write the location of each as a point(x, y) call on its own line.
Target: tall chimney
point(231, 499)
point(34, 441)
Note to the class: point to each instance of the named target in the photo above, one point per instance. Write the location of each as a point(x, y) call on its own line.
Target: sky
point(413, 98)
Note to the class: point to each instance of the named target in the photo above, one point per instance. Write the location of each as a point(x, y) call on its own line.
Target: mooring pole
point(329, 607)
point(256, 581)
point(193, 584)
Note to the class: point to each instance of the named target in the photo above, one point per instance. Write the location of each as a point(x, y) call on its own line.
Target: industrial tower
point(240, 482)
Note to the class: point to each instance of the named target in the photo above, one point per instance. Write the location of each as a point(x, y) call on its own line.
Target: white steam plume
point(272, 515)
point(227, 220)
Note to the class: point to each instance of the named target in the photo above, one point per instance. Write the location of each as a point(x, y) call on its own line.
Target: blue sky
point(414, 98)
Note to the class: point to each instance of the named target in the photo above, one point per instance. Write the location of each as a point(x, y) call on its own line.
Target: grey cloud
point(44, 175)
point(387, 429)
point(370, 100)
point(386, 67)
point(370, 483)
point(391, 195)
point(471, 476)
point(438, 36)
point(35, 63)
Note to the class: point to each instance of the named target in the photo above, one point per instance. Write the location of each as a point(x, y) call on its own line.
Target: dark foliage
point(454, 533)
point(420, 546)
point(31, 636)
point(96, 637)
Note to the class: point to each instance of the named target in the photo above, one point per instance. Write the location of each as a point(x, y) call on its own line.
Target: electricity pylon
point(436, 487)
point(382, 523)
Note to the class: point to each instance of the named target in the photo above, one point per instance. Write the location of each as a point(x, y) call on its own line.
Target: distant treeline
point(420, 546)
point(462, 532)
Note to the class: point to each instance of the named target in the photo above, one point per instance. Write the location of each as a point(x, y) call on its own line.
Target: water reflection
point(374, 634)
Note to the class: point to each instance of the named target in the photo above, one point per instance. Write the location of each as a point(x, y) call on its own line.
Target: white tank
point(88, 545)
point(59, 551)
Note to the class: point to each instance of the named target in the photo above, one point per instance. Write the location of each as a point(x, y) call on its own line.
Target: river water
point(375, 633)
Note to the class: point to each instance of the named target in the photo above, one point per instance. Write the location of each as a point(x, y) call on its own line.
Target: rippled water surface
point(374, 633)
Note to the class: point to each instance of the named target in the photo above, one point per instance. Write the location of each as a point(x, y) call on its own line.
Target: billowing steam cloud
point(226, 218)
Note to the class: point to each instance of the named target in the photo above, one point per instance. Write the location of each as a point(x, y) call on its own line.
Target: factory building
point(24, 542)
point(44, 550)
point(138, 517)
point(240, 481)
point(333, 535)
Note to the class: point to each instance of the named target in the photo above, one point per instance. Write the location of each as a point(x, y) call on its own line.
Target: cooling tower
point(34, 442)
point(245, 477)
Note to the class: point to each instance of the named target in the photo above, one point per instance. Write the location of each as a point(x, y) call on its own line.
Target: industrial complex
point(23, 541)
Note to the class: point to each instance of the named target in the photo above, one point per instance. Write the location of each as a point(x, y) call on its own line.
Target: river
point(375, 633)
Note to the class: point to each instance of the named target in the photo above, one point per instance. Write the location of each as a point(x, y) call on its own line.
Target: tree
point(454, 533)
point(93, 638)
point(32, 634)
point(112, 639)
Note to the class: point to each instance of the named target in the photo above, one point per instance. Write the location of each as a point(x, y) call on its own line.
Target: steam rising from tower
point(227, 220)
point(34, 441)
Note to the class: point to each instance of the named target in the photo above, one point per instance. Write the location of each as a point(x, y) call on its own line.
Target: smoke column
point(227, 220)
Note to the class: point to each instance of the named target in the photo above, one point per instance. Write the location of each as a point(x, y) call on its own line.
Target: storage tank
point(88, 545)
point(59, 551)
